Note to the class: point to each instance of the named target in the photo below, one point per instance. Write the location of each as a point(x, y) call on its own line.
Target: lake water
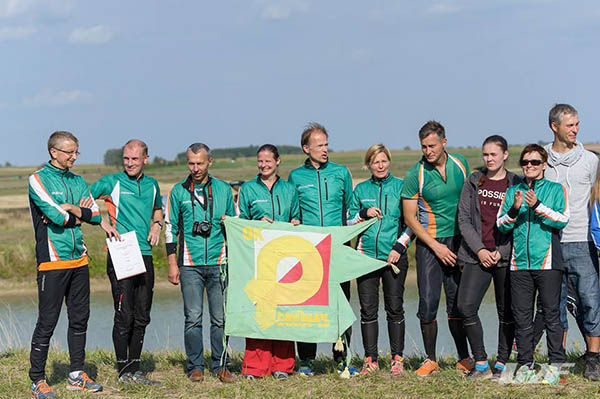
point(18, 316)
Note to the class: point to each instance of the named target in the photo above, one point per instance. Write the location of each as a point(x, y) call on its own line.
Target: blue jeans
point(581, 267)
point(194, 279)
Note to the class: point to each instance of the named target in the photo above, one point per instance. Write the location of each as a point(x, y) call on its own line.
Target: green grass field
point(168, 367)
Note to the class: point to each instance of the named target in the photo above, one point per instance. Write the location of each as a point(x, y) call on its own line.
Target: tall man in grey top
point(575, 168)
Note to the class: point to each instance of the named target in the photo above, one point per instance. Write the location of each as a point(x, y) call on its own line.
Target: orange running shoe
point(427, 368)
point(397, 365)
point(369, 366)
point(466, 365)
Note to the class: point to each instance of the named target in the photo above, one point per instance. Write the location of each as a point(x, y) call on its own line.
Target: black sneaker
point(592, 368)
point(480, 374)
point(139, 378)
point(497, 373)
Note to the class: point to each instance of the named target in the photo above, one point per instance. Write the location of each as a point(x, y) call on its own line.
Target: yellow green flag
point(284, 280)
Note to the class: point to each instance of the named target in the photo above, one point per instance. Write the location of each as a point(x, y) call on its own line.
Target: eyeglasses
point(533, 162)
point(69, 153)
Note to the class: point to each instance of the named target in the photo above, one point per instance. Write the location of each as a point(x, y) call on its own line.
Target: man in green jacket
point(195, 210)
point(60, 201)
point(134, 204)
point(324, 193)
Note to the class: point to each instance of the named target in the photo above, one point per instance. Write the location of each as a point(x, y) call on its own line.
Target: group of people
point(532, 235)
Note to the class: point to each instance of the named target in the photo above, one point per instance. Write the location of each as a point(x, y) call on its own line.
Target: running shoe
point(551, 376)
point(369, 366)
point(592, 368)
point(480, 374)
point(525, 375)
point(427, 368)
point(280, 375)
point(397, 365)
point(306, 367)
point(42, 390)
point(83, 383)
point(125, 378)
point(139, 378)
point(497, 373)
point(466, 365)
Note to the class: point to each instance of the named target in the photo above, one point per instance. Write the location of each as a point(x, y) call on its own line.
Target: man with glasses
point(134, 203)
point(60, 201)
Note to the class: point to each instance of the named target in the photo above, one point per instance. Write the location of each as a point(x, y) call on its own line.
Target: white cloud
point(98, 34)
point(283, 9)
point(48, 98)
point(16, 32)
point(443, 8)
point(15, 8)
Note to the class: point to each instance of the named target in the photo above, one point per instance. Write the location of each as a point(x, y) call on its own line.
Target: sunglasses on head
point(534, 162)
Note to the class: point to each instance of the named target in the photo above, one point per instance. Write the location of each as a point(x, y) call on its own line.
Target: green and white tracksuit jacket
point(536, 229)
point(256, 201)
point(324, 194)
point(389, 232)
point(58, 239)
point(189, 203)
point(130, 203)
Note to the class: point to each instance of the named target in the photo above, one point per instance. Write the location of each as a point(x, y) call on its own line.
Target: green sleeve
point(230, 209)
point(243, 203)
point(347, 187)
point(172, 220)
point(40, 197)
point(506, 215)
point(158, 199)
point(410, 188)
point(355, 207)
point(556, 213)
point(294, 206)
point(101, 188)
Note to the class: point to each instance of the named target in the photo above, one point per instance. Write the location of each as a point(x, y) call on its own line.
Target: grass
point(169, 367)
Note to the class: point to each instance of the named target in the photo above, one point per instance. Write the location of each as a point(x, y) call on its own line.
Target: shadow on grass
point(180, 360)
point(60, 371)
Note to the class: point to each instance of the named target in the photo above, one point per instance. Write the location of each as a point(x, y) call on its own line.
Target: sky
point(241, 72)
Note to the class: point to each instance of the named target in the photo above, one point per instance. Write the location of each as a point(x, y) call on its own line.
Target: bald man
point(134, 204)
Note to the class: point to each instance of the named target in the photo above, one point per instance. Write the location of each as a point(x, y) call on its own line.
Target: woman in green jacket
point(379, 197)
point(535, 210)
point(270, 198)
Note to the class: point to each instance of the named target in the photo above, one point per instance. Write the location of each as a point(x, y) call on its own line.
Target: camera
point(201, 228)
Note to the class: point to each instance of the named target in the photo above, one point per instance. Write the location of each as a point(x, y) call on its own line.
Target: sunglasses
point(533, 162)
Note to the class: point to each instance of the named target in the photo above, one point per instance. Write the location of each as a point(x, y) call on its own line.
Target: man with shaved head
point(134, 203)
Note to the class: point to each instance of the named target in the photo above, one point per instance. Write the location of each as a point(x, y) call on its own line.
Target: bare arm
point(154, 235)
point(411, 218)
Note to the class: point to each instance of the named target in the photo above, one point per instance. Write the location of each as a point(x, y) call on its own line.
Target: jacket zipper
point(326, 189)
point(528, 226)
point(272, 206)
point(278, 206)
point(380, 221)
point(62, 177)
point(320, 202)
point(385, 210)
point(139, 188)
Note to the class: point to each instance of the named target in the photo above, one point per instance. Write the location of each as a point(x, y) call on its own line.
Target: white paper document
point(126, 256)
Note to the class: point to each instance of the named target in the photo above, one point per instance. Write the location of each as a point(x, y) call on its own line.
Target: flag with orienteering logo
point(284, 280)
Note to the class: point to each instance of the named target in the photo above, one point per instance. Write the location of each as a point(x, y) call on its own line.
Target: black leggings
point(54, 286)
point(524, 285)
point(132, 298)
point(393, 295)
point(474, 283)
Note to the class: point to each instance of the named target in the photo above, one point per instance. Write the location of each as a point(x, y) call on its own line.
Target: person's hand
point(266, 219)
point(497, 256)
point(154, 235)
point(66, 206)
point(295, 222)
point(530, 198)
point(374, 212)
point(486, 257)
point(393, 257)
point(518, 199)
point(173, 272)
point(444, 254)
point(111, 231)
point(86, 202)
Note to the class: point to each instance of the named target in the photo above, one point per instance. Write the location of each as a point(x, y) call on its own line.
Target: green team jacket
point(130, 203)
point(324, 194)
point(389, 232)
point(256, 201)
point(536, 230)
point(59, 242)
point(188, 204)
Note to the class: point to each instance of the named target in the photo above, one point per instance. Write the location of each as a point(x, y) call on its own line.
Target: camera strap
point(208, 200)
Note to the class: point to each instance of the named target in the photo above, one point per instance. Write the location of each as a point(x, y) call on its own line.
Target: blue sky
point(231, 73)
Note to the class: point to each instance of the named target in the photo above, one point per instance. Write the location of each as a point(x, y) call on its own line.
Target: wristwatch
point(159, 223)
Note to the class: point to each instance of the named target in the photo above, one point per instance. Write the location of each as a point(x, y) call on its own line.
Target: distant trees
point(113, 157)
point(239, 152)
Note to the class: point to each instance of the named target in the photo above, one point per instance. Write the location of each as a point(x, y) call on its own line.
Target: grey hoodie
point(576, 171)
